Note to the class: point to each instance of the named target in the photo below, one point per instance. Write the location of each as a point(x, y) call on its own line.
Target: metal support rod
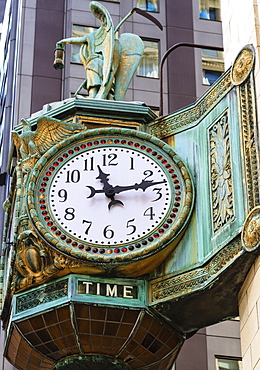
point(164, 57)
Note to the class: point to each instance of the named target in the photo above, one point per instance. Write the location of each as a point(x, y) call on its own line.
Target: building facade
point(241, 27)
point(28, 82)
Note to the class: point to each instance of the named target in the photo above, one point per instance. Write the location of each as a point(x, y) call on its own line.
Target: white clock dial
point(110, 195)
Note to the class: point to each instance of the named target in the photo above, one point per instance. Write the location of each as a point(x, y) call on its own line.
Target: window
point(79, 31)
point(149, 5)
point(209, 77)
point(212, 65)
point(228, 364)
point(148, 66)
point(210, 9)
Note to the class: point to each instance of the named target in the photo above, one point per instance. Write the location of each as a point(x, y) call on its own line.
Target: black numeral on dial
point(110, 159)
point(158, 192)
point(73, 176)
point(131, 227)
point(88, 227)
point(69, 214)
point(62, 193)
point(89, 164)
point(149, 213)
point(108, 233)
point(132, 163)
point(148, 173)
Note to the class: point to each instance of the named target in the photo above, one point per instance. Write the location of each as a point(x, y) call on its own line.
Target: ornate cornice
point(216, 65)
point(188, 117)
point(172, 287)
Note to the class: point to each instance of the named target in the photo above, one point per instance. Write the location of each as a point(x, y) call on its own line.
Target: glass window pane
point(228, 364)
point(209, 77)
point(149, 5)
point(212, 65)
point(78, 31)
point(148, 66)
point(210, 9)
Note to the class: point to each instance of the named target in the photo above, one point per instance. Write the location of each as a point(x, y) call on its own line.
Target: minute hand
point(143, 185)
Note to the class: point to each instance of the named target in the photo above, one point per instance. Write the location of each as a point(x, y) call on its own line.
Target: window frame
point(206, 9)
point(73, 46)
point(204, 71)
point(228, 358)
point(211, 63)
point(151, 11)
point(158, 64)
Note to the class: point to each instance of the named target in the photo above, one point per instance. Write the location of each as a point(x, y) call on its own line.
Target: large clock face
point(107, 197)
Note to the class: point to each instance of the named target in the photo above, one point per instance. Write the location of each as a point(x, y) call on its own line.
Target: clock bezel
point(139, 249)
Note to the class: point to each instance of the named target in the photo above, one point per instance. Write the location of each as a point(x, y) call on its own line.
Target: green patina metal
point(94, 111)
point(212, 225)
point(44, 296)
point(215, 224)
point(82, 289)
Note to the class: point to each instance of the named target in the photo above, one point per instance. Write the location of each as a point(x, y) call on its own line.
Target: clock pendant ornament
point(115, 199)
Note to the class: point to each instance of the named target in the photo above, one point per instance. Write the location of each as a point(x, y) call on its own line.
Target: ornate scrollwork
point(221, 175)
point(36, 262)
point(41, 295)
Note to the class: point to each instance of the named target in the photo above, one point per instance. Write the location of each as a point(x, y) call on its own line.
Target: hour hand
point(103, 177)
point(94, 191)
point(107, 189)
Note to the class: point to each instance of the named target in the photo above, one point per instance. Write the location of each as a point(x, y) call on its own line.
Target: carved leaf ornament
point(221, 180)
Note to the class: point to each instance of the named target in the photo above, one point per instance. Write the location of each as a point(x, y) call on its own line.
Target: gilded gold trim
point(251, 230)
point(249, 145)
point(97, 122)
point(243, 65)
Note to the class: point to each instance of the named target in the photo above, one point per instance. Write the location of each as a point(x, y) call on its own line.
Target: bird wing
point(17, 140)
point(104, 38)
point(50, 131)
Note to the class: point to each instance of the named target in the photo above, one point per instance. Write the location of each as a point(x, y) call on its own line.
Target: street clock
point(110, 196)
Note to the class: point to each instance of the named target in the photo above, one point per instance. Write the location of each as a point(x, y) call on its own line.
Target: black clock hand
point(107, 188)
point(143, 185)
point(103, 177)
point(118, 189)
point(94, 191)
